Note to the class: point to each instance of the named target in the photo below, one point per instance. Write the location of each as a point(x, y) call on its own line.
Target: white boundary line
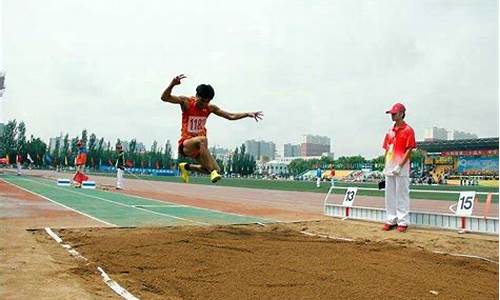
point(116, 203)
point(60, 204)
point(466, 255)
point(115, 286)
point(327, 236)
point(107, 280)
point(65, 246)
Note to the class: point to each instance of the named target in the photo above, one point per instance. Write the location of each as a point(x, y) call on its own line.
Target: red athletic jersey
point(193, 120)
point(81, 158)
point(396, 142)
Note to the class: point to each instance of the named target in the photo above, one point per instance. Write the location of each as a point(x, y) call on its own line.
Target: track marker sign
point(349, 196)
point(465, 204)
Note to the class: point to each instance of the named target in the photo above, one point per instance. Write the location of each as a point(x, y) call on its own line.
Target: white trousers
point(318, 182)
point(18, 165)
point(119, 178)
point(397, 200)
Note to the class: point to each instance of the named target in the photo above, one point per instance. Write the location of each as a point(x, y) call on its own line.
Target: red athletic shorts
point(180, 150)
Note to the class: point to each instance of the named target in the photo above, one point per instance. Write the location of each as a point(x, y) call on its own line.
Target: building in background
point(220, 153)
point(443, 134)
point(315, 145)
point(261, 150)
point(290, 150)
point(273, 167)
point(460, 135)
point(435, 134)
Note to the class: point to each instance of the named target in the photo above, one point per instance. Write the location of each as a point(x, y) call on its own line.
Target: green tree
point(66, 151)
point(56, 153)
point(350, 162)
point(84, 136)
point(92, 151)
point(132, 145)
point(21, 139)
point(8, 140)
point(74, 151)
point(100, 150)
point(37, 149)
point(169, 161)
point(378, 163)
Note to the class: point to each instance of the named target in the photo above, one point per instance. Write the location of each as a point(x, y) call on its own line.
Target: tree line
point(357, 162)
point(99, 151)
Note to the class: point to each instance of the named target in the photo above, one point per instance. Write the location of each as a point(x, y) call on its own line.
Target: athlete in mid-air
point(193, 142)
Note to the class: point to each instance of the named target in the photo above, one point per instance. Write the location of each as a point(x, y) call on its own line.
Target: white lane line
point(107, 280)
point(60, 204)
point(117, 203)
point(152, 205)
point(115, 286)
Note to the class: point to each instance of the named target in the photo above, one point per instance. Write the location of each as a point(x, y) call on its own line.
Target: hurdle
point(63, 182)
point(88, 185)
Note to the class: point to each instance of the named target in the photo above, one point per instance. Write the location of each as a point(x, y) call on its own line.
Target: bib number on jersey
point(196, 124)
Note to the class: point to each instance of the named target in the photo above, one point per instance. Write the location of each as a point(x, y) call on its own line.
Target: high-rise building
point(314, 145)
point(290, 150)
point(220, 153)
point(261, 149)
point(436, 134)
point(460, 135)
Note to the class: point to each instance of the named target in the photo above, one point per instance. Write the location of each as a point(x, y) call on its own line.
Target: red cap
point(396, 108)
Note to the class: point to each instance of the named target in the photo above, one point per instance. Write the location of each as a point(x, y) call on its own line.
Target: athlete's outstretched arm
point(167, 94)
point(236, 116)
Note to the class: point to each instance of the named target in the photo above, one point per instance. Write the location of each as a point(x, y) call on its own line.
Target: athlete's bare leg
point(207, 162)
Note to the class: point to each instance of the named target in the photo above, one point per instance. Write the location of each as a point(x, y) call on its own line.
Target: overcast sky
point(319, 67)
